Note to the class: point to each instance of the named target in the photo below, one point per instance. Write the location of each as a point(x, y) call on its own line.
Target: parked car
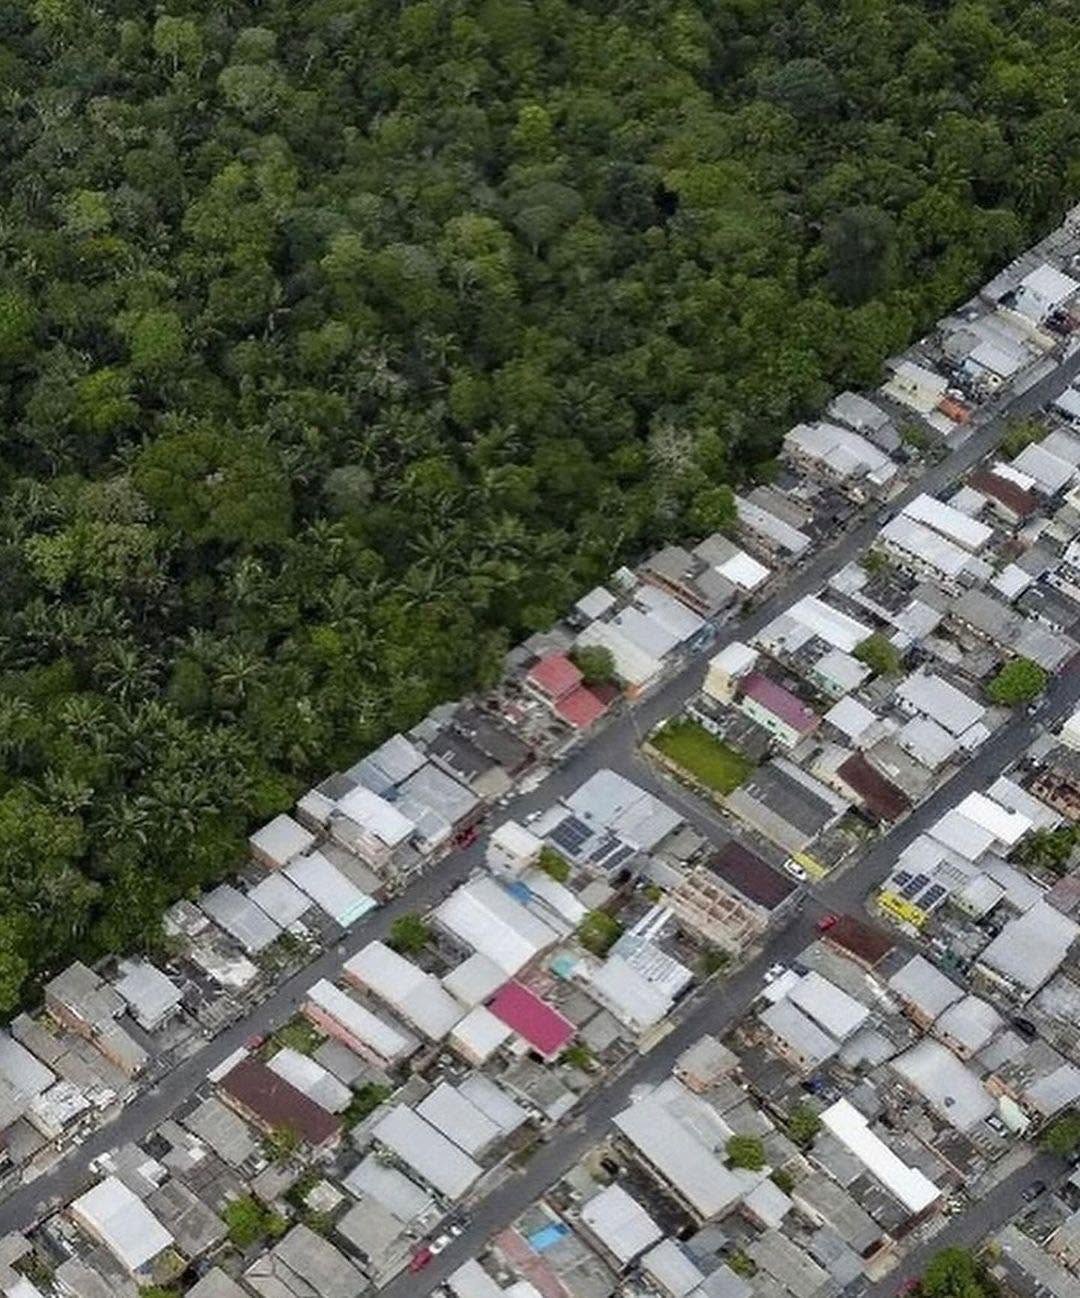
point(774, 971)
point(1034, 1190)
point(795, 870)
point(440, 1242)
point(827, 922)
point(421, 1258)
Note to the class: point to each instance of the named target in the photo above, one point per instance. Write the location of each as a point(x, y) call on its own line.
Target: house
point(773, 536)
point(114, 1216)
point(1057, 782)
point(538, 1024)
point(862, 415)
point(841, 456)
point(559, 683)
point(924, 991)
point(909, 1186)
point(745, 573)
point(436, 1160)
point(726, 669)
point(776, 709)
point(926, 551)
point(731, 897)
point(373, 1037)
point(878, 796)
point(276, 843)
point(949, 522)
point(786, 805)
point(619, 1225)
point(1010, 501)
point(415, 996)
point(690, 579)
point(924, 694)
point(82, 1001)
point(267, 1099)
point(152, 997)
point(487, 918)
point(302, 1264)
point(1028, 951)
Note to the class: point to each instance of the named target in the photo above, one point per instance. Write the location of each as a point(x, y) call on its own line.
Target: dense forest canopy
point(342, 342)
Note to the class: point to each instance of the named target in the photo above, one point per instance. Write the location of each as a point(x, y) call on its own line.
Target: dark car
point(1034, 1190)
point(1026, 1028)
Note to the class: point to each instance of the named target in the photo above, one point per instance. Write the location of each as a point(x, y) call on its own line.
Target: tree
point(595, 662)
point(365, 1101)
point(554, 864)
point(1062, 1136)
point(745, 1151)
point(859, 243)
point(1021, 433)
point(282, 1143)
point(408, 934)
point(879, 654)
point(248, 1221)
point(578, 1055)
point(956, 1273)
point(1049, 849)
point(803, 1125)
point(598, 932)
point(1019, 681)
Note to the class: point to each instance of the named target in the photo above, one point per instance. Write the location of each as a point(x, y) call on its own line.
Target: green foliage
point(282, 1143)
point(554, 864)
point(746, 1151)
point(1020, 434)
point(598, 932)
point(957, 1273)
point(1019, 681)
point(408, 934)
point(595, 662)
point(578, 1055)
point(915, 436)
point(1062, 1136)
point(1049, 849)
point(879, 654)
point(248, 1221)
point(367, 1099)
point(342, 345)
point(742, 1263)
point(803, 1125)
point(706, 758)
point(298, 1034)
point(712, 960)
point(782, 1179)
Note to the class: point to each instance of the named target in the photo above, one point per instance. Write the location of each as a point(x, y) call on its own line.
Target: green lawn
point(700, 755)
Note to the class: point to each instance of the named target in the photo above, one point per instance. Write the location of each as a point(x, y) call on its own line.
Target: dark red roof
point(749, 875)
point(1019, 499)
point(580, 708)
point(555, 676)
point(880, 796)
point(772, 696)
point(277, 1103)
point(864, 942)
point(531, 1017)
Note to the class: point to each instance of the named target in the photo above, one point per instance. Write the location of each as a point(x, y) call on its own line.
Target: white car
point(795, 870)
point(774, 971)
point(440, 1242)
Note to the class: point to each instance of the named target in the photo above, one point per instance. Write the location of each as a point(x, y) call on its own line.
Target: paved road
point(614, 746)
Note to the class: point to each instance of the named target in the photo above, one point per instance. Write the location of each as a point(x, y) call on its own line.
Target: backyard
point(711, 762)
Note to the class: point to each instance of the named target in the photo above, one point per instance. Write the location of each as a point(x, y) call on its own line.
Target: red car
point(827, 922)
point(420, 1258)
point(468, 836)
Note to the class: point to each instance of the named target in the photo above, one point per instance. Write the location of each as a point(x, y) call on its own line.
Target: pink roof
point(543, 1028)
point(555, 676)
point(580, 708)
point(780, 702)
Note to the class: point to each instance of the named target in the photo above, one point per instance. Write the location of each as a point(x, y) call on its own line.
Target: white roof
point(830, 1007)
point(744, 571)
point(850, 717)
point(1031, 947)
point(734, 659)
point(23, 1070)
point(1068, 402)
point(1049, 472)
point(941, 702)
point(470, 1280)
point(332, 891)
point(926, 545)
point(475, 980)
point(491, 1099)
point(1011, 581)
point(950, 522)
point(620, 1223)
point(844, 451)
point(964, 836)
point(927, 742)
point(389, 1186)
point(669, 612)
point(376, 815)
point(676, 1150)
point(632, 664)
point(359, 1022)
point(1011, 473)
point(1008, 827)
point(123, 1223)
point(925, 987)
point(458, 1118)
point(311, 1079)
point(516, 840)
point(915, 386)
point(281, 839)
point(1042, 291)
point(631, 998)
point(914, 1190)
point(417, 996)
point(488, 919)
point(766, 524)
point(948, 1086)
point(445, 1167)
point(596, 602)
point(281, 899)
point(672, 1269)
point(149, 993)
point(829, 624)
point(241, 918)
point(479, 1034)
point(645, 631)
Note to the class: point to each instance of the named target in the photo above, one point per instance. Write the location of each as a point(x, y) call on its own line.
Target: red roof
point(880, 796)
point(277, 1103)
point(543, 1027)
point(772, 696)
point(870, 945)
point(1010, 494)
point(580, 708)
point(555, 676)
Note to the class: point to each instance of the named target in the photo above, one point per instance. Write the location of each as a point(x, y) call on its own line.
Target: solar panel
point(570, 834)
point(606, 844)
point(618, 856)
point(900, 878)
point(914, 885)
point(931, 895)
